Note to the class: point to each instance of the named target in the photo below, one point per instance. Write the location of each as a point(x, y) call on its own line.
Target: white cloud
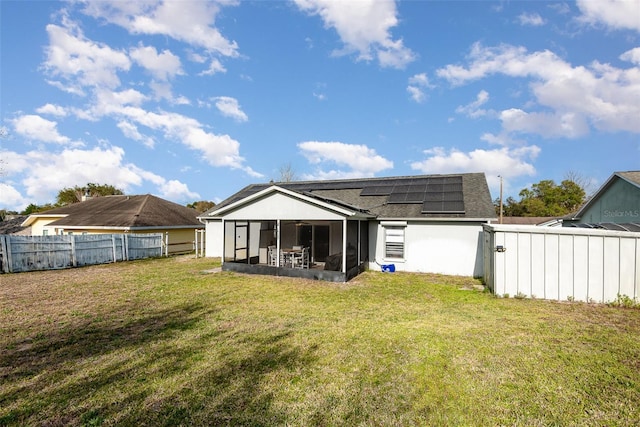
point(52, 110)
point(359, 160)
point(507, 162)
point(163, 90)
point(36, 128)
point(229, 107)
point(532, 19)
point(364, 28)
point(615, 14)
point(81, 61)
point(473, 109)
point(162, 66)
point(417, 84)
point(599, 95)
point(568, 125)
point(214, 67)
point(131, 131)
point(46, 173)
point(632, 56)
point(176, 190)
point(191, 22)
point(11, 198)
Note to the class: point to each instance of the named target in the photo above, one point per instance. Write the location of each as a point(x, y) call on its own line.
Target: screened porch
point(332, 250)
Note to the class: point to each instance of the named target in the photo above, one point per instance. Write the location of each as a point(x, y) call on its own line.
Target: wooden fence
point(29, 253)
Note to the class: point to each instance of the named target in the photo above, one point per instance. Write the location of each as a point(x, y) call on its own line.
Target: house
point(615, 206)
point(427, 223)
point(121, 214)
point(12, 224)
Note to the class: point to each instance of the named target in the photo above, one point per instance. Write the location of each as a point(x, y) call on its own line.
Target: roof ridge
point(281, 183)
point(142, 205)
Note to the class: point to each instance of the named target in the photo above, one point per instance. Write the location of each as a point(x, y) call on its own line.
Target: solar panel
point(452, 196)
point(377, 190)
point(435, 188)
point(397, 198)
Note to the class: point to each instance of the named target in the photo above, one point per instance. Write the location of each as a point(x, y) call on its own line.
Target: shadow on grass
point(143, 372)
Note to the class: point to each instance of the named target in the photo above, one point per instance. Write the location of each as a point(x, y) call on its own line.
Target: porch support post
point(359, 243)
point(224, 239)
point(278, 243)
point(344, 245)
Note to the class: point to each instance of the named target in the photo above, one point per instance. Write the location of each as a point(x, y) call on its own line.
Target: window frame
point(395, 238)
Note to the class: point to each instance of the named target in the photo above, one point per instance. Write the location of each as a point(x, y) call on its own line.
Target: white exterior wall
point(213, 235)
point(563, 264)
point(433, 247)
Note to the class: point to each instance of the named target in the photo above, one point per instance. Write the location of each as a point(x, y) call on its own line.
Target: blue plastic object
point(388, 268)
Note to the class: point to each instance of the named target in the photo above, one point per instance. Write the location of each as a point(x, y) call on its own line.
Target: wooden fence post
point(113, 247)
point(6, 265)
point(74, 261)
point(125, 247)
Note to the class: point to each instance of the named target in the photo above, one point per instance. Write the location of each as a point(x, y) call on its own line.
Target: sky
point(193, 100)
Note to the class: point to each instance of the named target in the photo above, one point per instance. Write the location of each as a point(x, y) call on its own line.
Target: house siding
point(433, 247)
point(620, 203)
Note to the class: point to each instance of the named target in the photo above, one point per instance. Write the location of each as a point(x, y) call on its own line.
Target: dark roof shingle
point(140, 211)
point(475, 192)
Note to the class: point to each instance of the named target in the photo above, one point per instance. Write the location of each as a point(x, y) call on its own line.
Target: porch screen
point(394, 242)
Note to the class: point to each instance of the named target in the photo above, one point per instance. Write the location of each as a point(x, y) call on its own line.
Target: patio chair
point(273, 255)
point(301, 259)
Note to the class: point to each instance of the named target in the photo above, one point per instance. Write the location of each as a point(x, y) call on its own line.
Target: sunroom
point(282, 232)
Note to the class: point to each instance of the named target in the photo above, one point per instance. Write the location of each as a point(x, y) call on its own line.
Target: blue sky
point(193, 100)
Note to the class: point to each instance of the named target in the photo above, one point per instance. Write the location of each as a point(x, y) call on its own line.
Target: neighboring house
point(615, 206)
point(428, 223)
point(12, 224)
point(121, 214)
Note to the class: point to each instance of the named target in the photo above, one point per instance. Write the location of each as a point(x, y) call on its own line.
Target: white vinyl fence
point(564, 264)
point(28, 253)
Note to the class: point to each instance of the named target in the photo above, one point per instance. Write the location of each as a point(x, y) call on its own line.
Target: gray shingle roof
point(142, 211)
point(631, 176)
point(475, 193)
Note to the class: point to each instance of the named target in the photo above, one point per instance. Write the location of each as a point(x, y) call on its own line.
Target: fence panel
point(563, 263)
point(98, 249)
point(29, 253)
point(141, 246)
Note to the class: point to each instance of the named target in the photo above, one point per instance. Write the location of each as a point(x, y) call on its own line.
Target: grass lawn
point(160, 342)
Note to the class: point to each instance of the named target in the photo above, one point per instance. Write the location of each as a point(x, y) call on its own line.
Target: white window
point(394, 242)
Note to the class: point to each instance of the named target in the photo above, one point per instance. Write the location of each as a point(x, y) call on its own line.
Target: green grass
point(159, 342)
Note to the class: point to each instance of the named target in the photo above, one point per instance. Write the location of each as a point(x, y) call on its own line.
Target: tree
point(287, 173)
point(546, 198)
point(201, 206)
point(33, 208)
point(68, 196)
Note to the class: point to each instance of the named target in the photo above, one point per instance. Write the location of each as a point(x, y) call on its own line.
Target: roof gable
point(630, 177)
point(280, 203)
point(131, 212)
point(391, 197)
